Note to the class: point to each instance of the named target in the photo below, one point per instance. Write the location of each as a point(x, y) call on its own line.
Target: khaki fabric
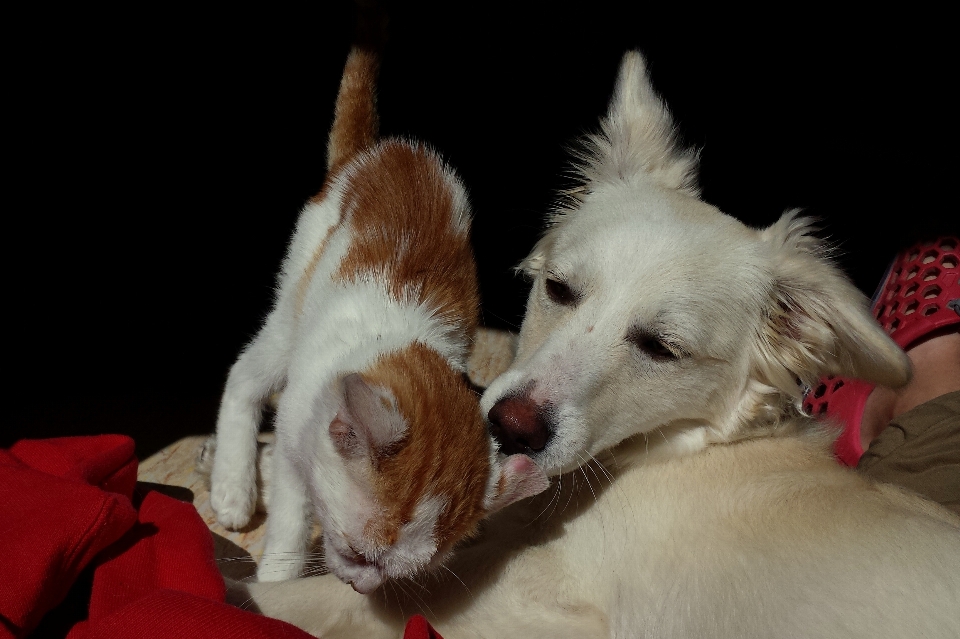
point(920, 450)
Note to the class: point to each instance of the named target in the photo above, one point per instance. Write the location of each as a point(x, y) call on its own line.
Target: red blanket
point(68, 510)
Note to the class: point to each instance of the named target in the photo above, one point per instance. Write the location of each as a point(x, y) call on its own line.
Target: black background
point(157, 159)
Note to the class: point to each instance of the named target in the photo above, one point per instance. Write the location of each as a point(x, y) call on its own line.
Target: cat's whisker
point(246, 602)
point(425, 592)
point(286, 560)
point(457, 577)
point(413, 580)
point(393, 587)
point(315, 571)
point(406, 595)
point(412, 597)
point(418, 600)
point(315, 557)
point(232, 559)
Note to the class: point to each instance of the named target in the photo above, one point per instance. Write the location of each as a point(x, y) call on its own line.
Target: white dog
point(658, 375)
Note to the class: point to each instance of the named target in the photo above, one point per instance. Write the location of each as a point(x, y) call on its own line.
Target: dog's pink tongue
point(522, 478)
point(535, 480)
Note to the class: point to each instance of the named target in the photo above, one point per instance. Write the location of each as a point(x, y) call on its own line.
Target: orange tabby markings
point(446, 451)
point(356, 120)
point(402, 209)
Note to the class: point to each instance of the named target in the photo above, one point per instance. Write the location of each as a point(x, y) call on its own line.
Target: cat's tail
point(355, 123)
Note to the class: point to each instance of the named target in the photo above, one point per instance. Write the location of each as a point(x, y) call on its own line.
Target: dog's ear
point(533, 263)
point(817, 322)
point(638, 136)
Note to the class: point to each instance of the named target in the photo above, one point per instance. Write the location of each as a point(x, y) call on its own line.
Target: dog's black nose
point(519, 424)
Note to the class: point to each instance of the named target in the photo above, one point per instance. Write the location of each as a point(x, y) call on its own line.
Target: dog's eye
point(561, 293)
point(651, 345)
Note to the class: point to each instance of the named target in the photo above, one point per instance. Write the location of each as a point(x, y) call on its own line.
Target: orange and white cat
point(378, 435)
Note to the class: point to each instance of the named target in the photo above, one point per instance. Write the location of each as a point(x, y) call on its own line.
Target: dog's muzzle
point(520, 425)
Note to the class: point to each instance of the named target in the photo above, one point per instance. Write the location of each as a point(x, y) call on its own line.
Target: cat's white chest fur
point(378, 435)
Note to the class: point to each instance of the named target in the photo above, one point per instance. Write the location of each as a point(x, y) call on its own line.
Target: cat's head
point(420, 470)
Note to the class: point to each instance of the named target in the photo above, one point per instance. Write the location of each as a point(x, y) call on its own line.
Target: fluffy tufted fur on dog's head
point(652, 310)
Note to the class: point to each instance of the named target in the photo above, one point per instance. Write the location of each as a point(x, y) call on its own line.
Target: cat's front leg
point(288, 523)
point(257, 372)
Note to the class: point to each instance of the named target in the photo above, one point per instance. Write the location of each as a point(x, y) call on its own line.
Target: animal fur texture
point(378, 435)
point(658, 376)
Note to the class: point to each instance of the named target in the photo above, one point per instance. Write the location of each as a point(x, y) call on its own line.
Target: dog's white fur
point(705, 504)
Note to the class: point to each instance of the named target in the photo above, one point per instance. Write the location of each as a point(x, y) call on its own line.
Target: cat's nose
point(519, 424)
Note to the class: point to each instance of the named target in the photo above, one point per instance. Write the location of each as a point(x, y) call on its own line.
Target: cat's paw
point(205, 456)
point(233, 501)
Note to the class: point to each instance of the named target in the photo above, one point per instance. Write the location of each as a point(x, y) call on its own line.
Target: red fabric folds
point(418, 628)
point(170, 614)
point(66, 505)
point(168, 549)
point(55, 521)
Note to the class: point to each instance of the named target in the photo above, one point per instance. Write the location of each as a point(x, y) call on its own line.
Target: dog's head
point(653, 312)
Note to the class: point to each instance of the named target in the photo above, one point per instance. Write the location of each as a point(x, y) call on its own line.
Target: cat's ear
point(368, 421)
point(517, 478)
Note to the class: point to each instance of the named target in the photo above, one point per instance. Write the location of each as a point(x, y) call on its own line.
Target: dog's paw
point(233, 501)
